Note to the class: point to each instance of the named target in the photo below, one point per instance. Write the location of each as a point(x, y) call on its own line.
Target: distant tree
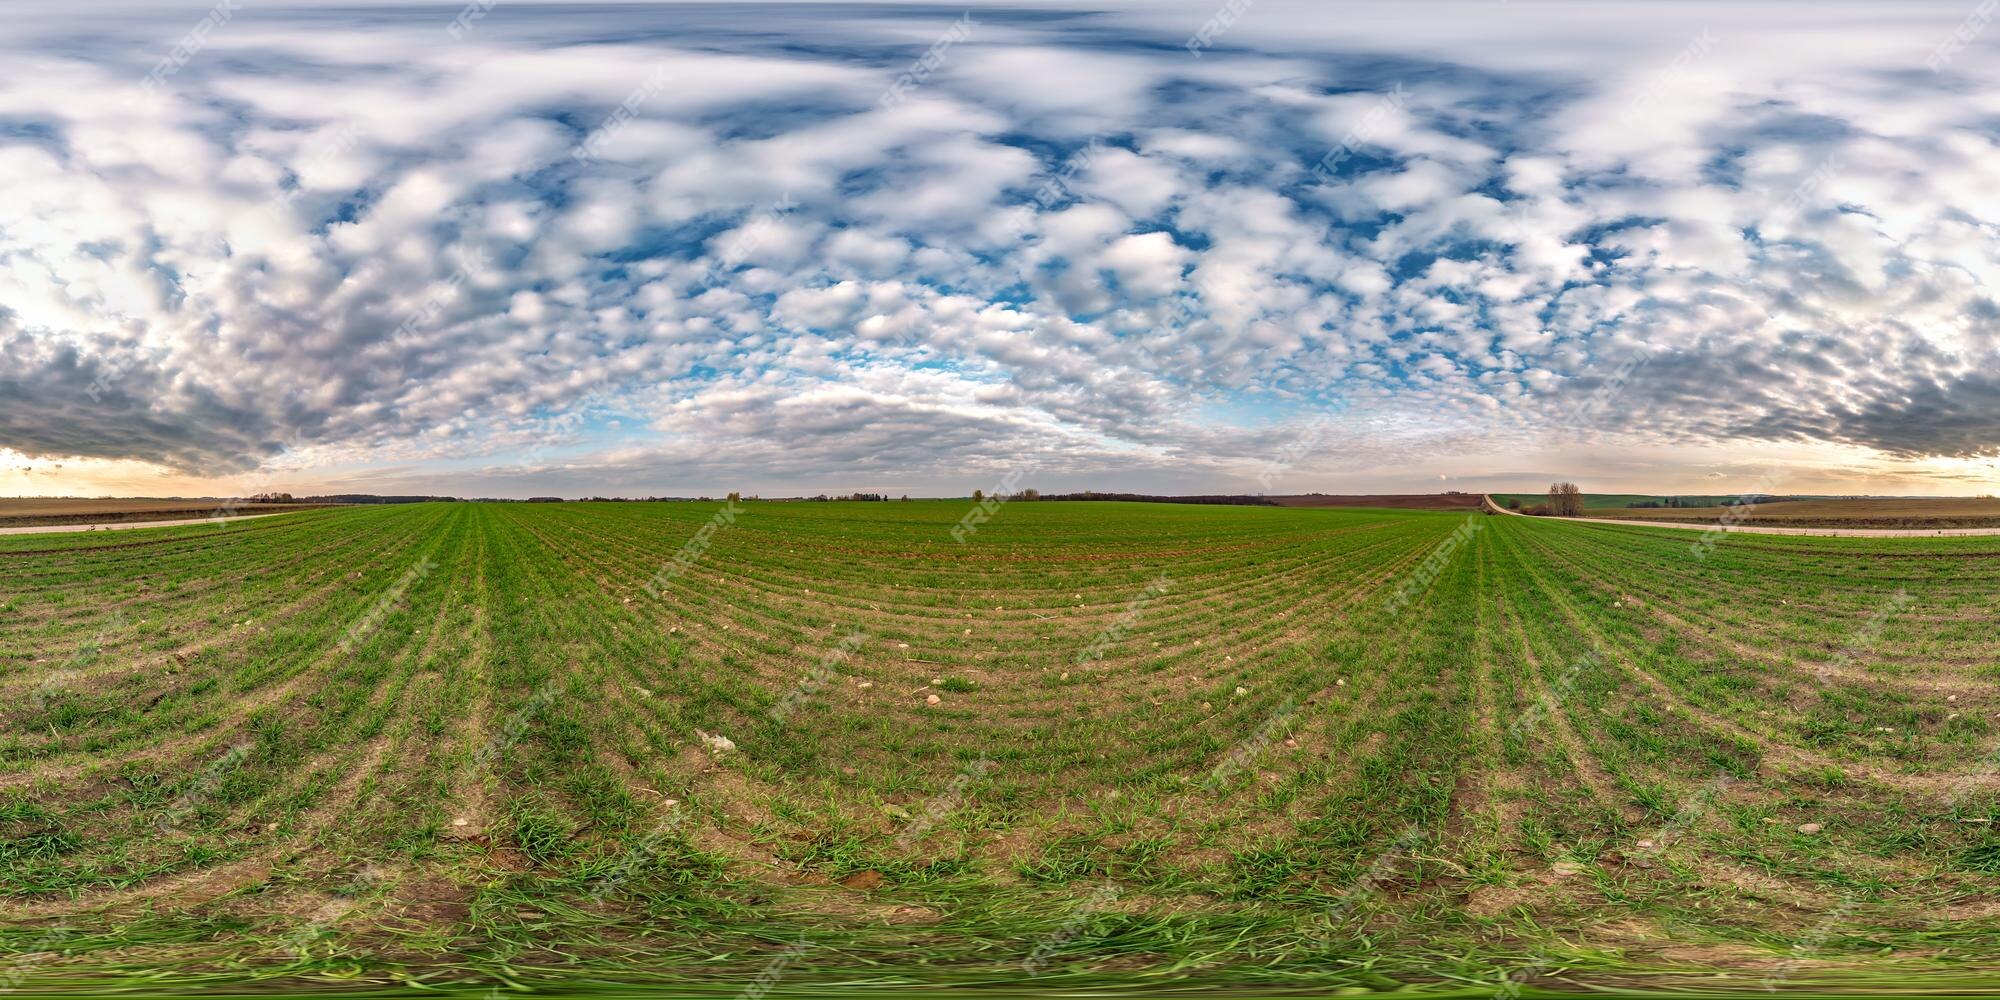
point(734, 496)
point(1565, 500)
point(978, 494)
point(1031, 494)
point(906, 498)
point(1513, 503)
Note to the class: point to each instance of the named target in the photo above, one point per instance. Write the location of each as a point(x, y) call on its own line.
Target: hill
point(1392, 501)
point(1883, 512)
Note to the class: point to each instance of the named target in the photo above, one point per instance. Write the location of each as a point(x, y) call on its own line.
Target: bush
point(1566, 500)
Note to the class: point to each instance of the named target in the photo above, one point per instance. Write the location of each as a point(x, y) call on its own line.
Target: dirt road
point(1765, 530)
point(44, 529)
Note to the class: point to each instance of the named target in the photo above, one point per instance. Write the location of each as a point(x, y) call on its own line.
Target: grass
point(1174, 747)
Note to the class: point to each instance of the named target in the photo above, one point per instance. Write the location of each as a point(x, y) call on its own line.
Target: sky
point(513, 248)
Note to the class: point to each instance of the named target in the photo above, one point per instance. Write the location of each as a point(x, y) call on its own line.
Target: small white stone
point(1810, 828)
point(933, 700)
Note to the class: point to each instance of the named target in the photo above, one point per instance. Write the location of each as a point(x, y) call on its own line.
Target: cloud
point(351, 234)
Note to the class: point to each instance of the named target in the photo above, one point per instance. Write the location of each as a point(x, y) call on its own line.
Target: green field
point(463, 744)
